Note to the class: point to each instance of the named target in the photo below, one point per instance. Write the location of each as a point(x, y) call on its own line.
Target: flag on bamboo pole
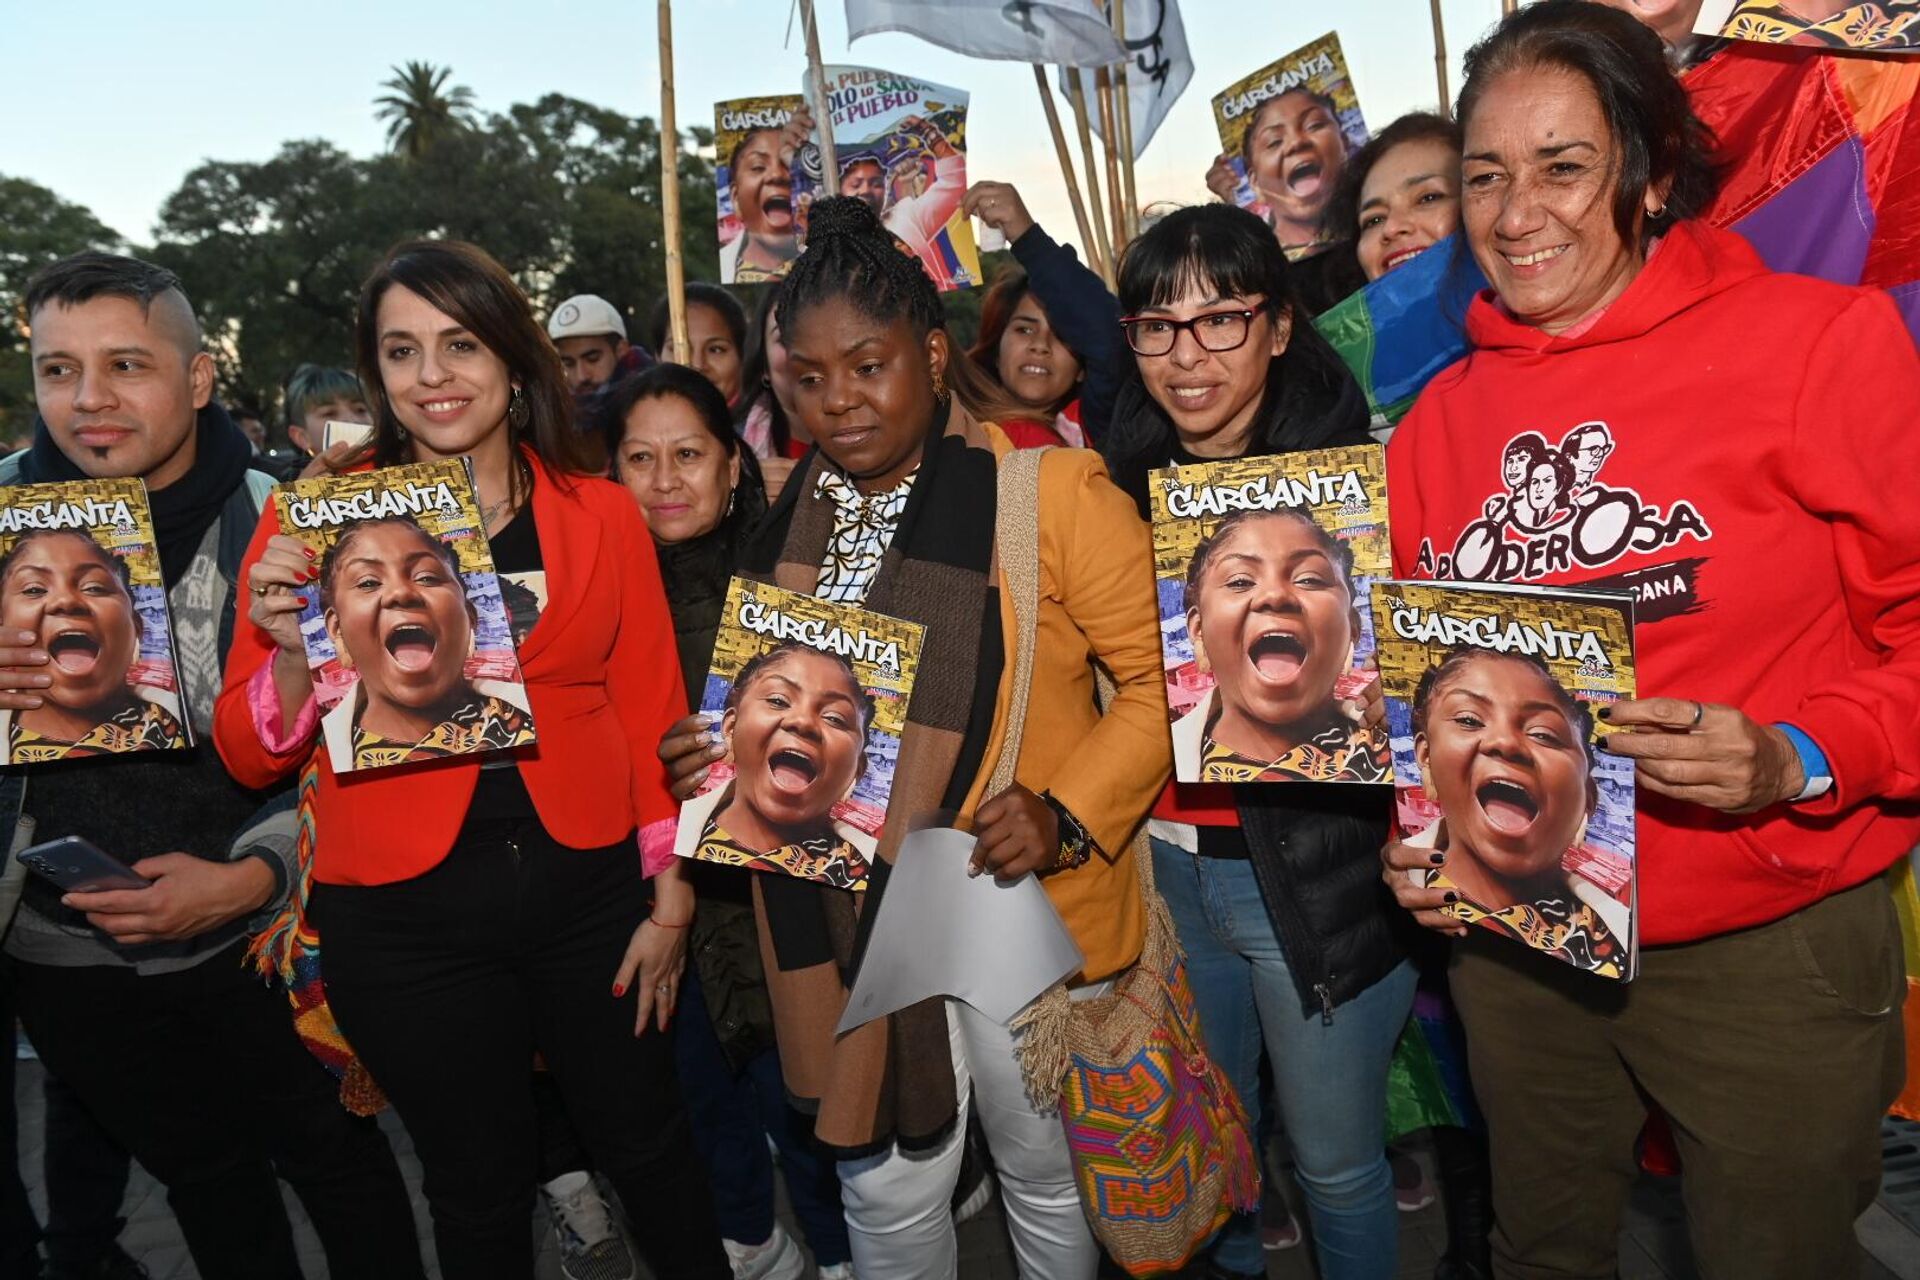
point(1072, 33)
point(1159, 66)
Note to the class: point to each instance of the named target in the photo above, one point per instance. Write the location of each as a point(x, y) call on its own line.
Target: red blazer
point(603, 680)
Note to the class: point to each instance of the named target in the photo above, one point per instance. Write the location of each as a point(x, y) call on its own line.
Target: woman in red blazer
point(476, 908)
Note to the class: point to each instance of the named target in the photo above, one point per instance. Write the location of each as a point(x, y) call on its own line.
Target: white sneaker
point(591, 1246)
point(779, 1258)
point(838, 1271)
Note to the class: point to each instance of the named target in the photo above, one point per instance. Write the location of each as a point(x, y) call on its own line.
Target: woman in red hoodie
point(1717, 435)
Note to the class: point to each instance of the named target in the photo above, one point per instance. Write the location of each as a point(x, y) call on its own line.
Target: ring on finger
point(1699, 711)
point(260, 591)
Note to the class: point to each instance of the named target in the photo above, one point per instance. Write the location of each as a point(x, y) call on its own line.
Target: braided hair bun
point(852, 257)
point(842, 216)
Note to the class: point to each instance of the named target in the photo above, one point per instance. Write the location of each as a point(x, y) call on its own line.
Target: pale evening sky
point(111, 103)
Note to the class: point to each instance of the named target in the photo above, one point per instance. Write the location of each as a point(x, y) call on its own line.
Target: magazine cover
point(901, 145)
point(1491, 695)
point(811, 699)
point(1885, 26)
point(406, 629)
point(759, 238)
point(1264, 567)
point(80, 567)
point(1288, 129)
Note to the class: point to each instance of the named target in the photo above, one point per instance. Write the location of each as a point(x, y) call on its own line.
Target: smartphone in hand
point(78, 866)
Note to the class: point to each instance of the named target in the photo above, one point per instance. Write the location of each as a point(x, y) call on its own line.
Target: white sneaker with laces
point(591, 1246)
point(779, 1258)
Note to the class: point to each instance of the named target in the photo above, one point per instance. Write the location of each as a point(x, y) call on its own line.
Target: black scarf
point(1309, 403)
point(695, 574)
point(185, 509)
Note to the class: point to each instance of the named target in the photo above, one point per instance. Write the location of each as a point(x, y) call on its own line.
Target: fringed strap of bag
point(1045, 1026)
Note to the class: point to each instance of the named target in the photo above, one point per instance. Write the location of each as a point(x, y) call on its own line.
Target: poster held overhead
point(900, 145)
point(753, 180)
point(1288, 129)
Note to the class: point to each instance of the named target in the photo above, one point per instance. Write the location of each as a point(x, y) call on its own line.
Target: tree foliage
point(421, 111)
point(564, 193)
point(36, 227)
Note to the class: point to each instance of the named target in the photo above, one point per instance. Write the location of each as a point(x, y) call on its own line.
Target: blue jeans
point(733, 1116)
point(1331, 1079)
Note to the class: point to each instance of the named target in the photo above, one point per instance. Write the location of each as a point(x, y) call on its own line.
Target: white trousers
point(899, 1204)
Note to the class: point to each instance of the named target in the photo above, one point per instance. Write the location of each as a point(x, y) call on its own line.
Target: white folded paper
point(940, 932)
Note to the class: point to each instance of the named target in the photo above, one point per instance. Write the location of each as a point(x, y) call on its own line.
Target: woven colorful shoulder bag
point(1161, 1145)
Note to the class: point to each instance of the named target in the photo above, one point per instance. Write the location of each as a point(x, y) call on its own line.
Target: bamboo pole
point(1077, 97)
point(1110, 144)
point(822, 115)
point(1124, 96)
point(679, 349)
point(1091, 246)
point(1440, 59)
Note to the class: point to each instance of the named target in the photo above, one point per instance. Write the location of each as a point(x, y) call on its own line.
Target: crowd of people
point(556, 1006)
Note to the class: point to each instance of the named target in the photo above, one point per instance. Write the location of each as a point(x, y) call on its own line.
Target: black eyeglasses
point(1215, 331)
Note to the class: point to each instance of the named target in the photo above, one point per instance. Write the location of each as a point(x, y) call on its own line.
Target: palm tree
point(421, 110)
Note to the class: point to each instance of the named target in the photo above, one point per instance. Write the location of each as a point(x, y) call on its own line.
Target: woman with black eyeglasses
point(1273, 889)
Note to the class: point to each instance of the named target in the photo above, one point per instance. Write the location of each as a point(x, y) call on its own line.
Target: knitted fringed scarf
point(289, 950)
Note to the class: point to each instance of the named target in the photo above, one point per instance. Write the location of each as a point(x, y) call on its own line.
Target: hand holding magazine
point(1491, 701)
point(1263, 568)
point(810, 699)
point(405, 629)
point(80, 569)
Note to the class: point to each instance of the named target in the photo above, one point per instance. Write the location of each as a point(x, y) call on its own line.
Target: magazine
point(901, 145)
point(406, 630)
point(810, 698)
point(80, 566)
point(1263, 568)
point(759, 238)
point(1287, 130)
point(1491, 701)
point(1882, 26)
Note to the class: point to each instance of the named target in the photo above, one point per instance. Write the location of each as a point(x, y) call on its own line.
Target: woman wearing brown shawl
point(896, 510)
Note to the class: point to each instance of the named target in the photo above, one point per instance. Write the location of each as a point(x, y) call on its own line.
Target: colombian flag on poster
point(1823, 177)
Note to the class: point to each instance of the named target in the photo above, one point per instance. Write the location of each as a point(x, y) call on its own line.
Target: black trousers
point(199, 1074)
point(447, 985)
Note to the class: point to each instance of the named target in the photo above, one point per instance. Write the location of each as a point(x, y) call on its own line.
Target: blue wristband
point(1813, 763)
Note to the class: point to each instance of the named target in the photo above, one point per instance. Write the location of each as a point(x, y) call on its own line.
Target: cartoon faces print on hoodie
point(1553, 515)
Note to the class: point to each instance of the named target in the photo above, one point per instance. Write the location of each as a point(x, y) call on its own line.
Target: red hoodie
point(1750, 466)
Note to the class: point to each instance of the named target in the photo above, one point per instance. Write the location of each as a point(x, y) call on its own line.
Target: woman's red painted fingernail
point(301, 601)
point(312, 554)
point(619, 989)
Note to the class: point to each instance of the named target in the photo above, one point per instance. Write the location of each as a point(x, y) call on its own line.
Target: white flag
point(1069, 32)
point(1158, 67)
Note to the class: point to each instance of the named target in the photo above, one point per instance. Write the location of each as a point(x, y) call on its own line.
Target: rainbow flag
point(1822, 177)
point(1824, 151)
